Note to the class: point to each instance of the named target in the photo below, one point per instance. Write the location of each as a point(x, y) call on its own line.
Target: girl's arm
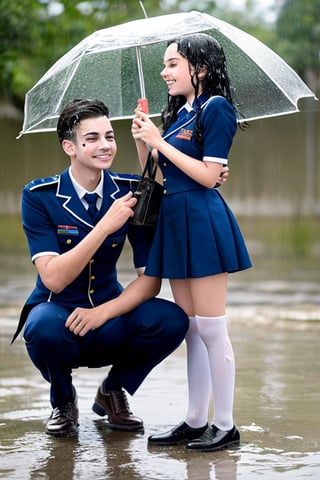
point(138, 291)
point(205, 173)
point(143, 151)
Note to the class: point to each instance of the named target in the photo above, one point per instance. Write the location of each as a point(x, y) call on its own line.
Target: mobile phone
point(143, 104)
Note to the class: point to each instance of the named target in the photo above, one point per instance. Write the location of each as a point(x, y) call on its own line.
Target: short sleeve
point(219, 124)
point(40, 232)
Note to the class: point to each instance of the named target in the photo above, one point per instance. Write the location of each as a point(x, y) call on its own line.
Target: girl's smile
point(176, 73)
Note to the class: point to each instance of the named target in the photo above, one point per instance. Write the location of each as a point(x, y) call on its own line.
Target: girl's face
point(176, 74)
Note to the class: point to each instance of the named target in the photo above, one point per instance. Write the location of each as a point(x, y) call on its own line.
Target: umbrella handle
point(140, 72)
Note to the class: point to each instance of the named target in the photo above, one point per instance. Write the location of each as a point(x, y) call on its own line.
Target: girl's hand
point(224, 175)
point(145, 130)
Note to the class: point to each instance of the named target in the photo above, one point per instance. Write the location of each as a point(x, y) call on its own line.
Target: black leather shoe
point(63, 421)
point(214, 439)
point(115, 405)
point(180, 434)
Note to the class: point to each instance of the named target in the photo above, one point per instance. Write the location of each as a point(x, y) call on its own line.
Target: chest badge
point(67, 230)
point(184, 134)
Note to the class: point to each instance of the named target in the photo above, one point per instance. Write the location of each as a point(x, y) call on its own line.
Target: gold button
point(93, 277)
point(164, 192)
point(91, 292)
point(164, 164)
point(69, 241)
point(114, 245)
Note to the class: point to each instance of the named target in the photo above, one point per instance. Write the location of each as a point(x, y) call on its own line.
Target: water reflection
point(277, 392)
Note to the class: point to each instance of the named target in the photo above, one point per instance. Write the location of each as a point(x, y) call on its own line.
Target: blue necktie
point(91, 198)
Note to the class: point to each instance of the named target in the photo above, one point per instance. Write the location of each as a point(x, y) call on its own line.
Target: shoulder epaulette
point(42, 182)
point(125, 178)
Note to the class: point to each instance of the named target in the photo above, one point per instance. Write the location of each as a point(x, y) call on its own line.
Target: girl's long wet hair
point(201, 50)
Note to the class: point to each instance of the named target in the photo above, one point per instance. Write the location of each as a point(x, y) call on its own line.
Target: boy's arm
point(138, 291)
point(58, 271)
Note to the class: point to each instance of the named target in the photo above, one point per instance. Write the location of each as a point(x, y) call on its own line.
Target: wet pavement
point(274, 327)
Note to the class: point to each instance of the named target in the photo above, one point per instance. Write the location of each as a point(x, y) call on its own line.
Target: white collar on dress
point(187, 107)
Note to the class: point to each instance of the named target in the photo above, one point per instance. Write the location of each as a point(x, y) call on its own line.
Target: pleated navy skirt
point(197, 235)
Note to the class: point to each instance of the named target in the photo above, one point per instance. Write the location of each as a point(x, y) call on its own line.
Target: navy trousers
point(132, 344)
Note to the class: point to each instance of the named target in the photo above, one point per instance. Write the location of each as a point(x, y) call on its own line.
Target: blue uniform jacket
point(55, 220)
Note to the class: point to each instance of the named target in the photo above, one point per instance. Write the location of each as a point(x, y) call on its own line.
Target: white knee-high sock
point(199, 380)
point(214, 333)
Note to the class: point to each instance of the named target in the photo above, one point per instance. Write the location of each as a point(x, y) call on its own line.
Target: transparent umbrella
point(121, 64)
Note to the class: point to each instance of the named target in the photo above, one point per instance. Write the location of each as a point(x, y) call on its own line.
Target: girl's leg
point(198, 377)
point(199, 382)
point(214, 332)
point(209, 297)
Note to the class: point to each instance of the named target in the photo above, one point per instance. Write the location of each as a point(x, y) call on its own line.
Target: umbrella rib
point(76, 63)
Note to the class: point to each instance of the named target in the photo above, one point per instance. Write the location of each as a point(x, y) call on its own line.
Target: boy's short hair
point(76, 111)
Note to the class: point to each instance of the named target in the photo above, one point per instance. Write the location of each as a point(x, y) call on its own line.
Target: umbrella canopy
point(120, 64)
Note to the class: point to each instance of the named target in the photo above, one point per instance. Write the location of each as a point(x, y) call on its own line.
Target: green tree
point(35, 33)
point(16, 39)
point(298, 38)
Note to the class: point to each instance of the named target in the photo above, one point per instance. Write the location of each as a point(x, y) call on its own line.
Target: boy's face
point(94, 145)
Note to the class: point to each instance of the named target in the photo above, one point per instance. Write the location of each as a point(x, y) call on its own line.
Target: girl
point(197, 240)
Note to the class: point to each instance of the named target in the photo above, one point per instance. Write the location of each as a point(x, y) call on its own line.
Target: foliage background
point(35, 33)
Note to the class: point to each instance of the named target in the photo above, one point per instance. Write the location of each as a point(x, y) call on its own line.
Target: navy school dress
point(197, 234)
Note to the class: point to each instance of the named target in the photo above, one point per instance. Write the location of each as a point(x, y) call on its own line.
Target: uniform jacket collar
point(71, 202)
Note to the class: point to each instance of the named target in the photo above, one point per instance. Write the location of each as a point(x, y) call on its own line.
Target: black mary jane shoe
point(215, 439)
point(180, 434)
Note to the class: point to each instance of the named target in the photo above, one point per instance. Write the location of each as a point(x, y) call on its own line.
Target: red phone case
point(143, 104)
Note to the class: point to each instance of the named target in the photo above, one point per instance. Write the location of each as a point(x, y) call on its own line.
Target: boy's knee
point(175, 318)
point(44, 324)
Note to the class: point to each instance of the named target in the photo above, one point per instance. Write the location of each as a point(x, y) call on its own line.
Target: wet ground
point(275, 329)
